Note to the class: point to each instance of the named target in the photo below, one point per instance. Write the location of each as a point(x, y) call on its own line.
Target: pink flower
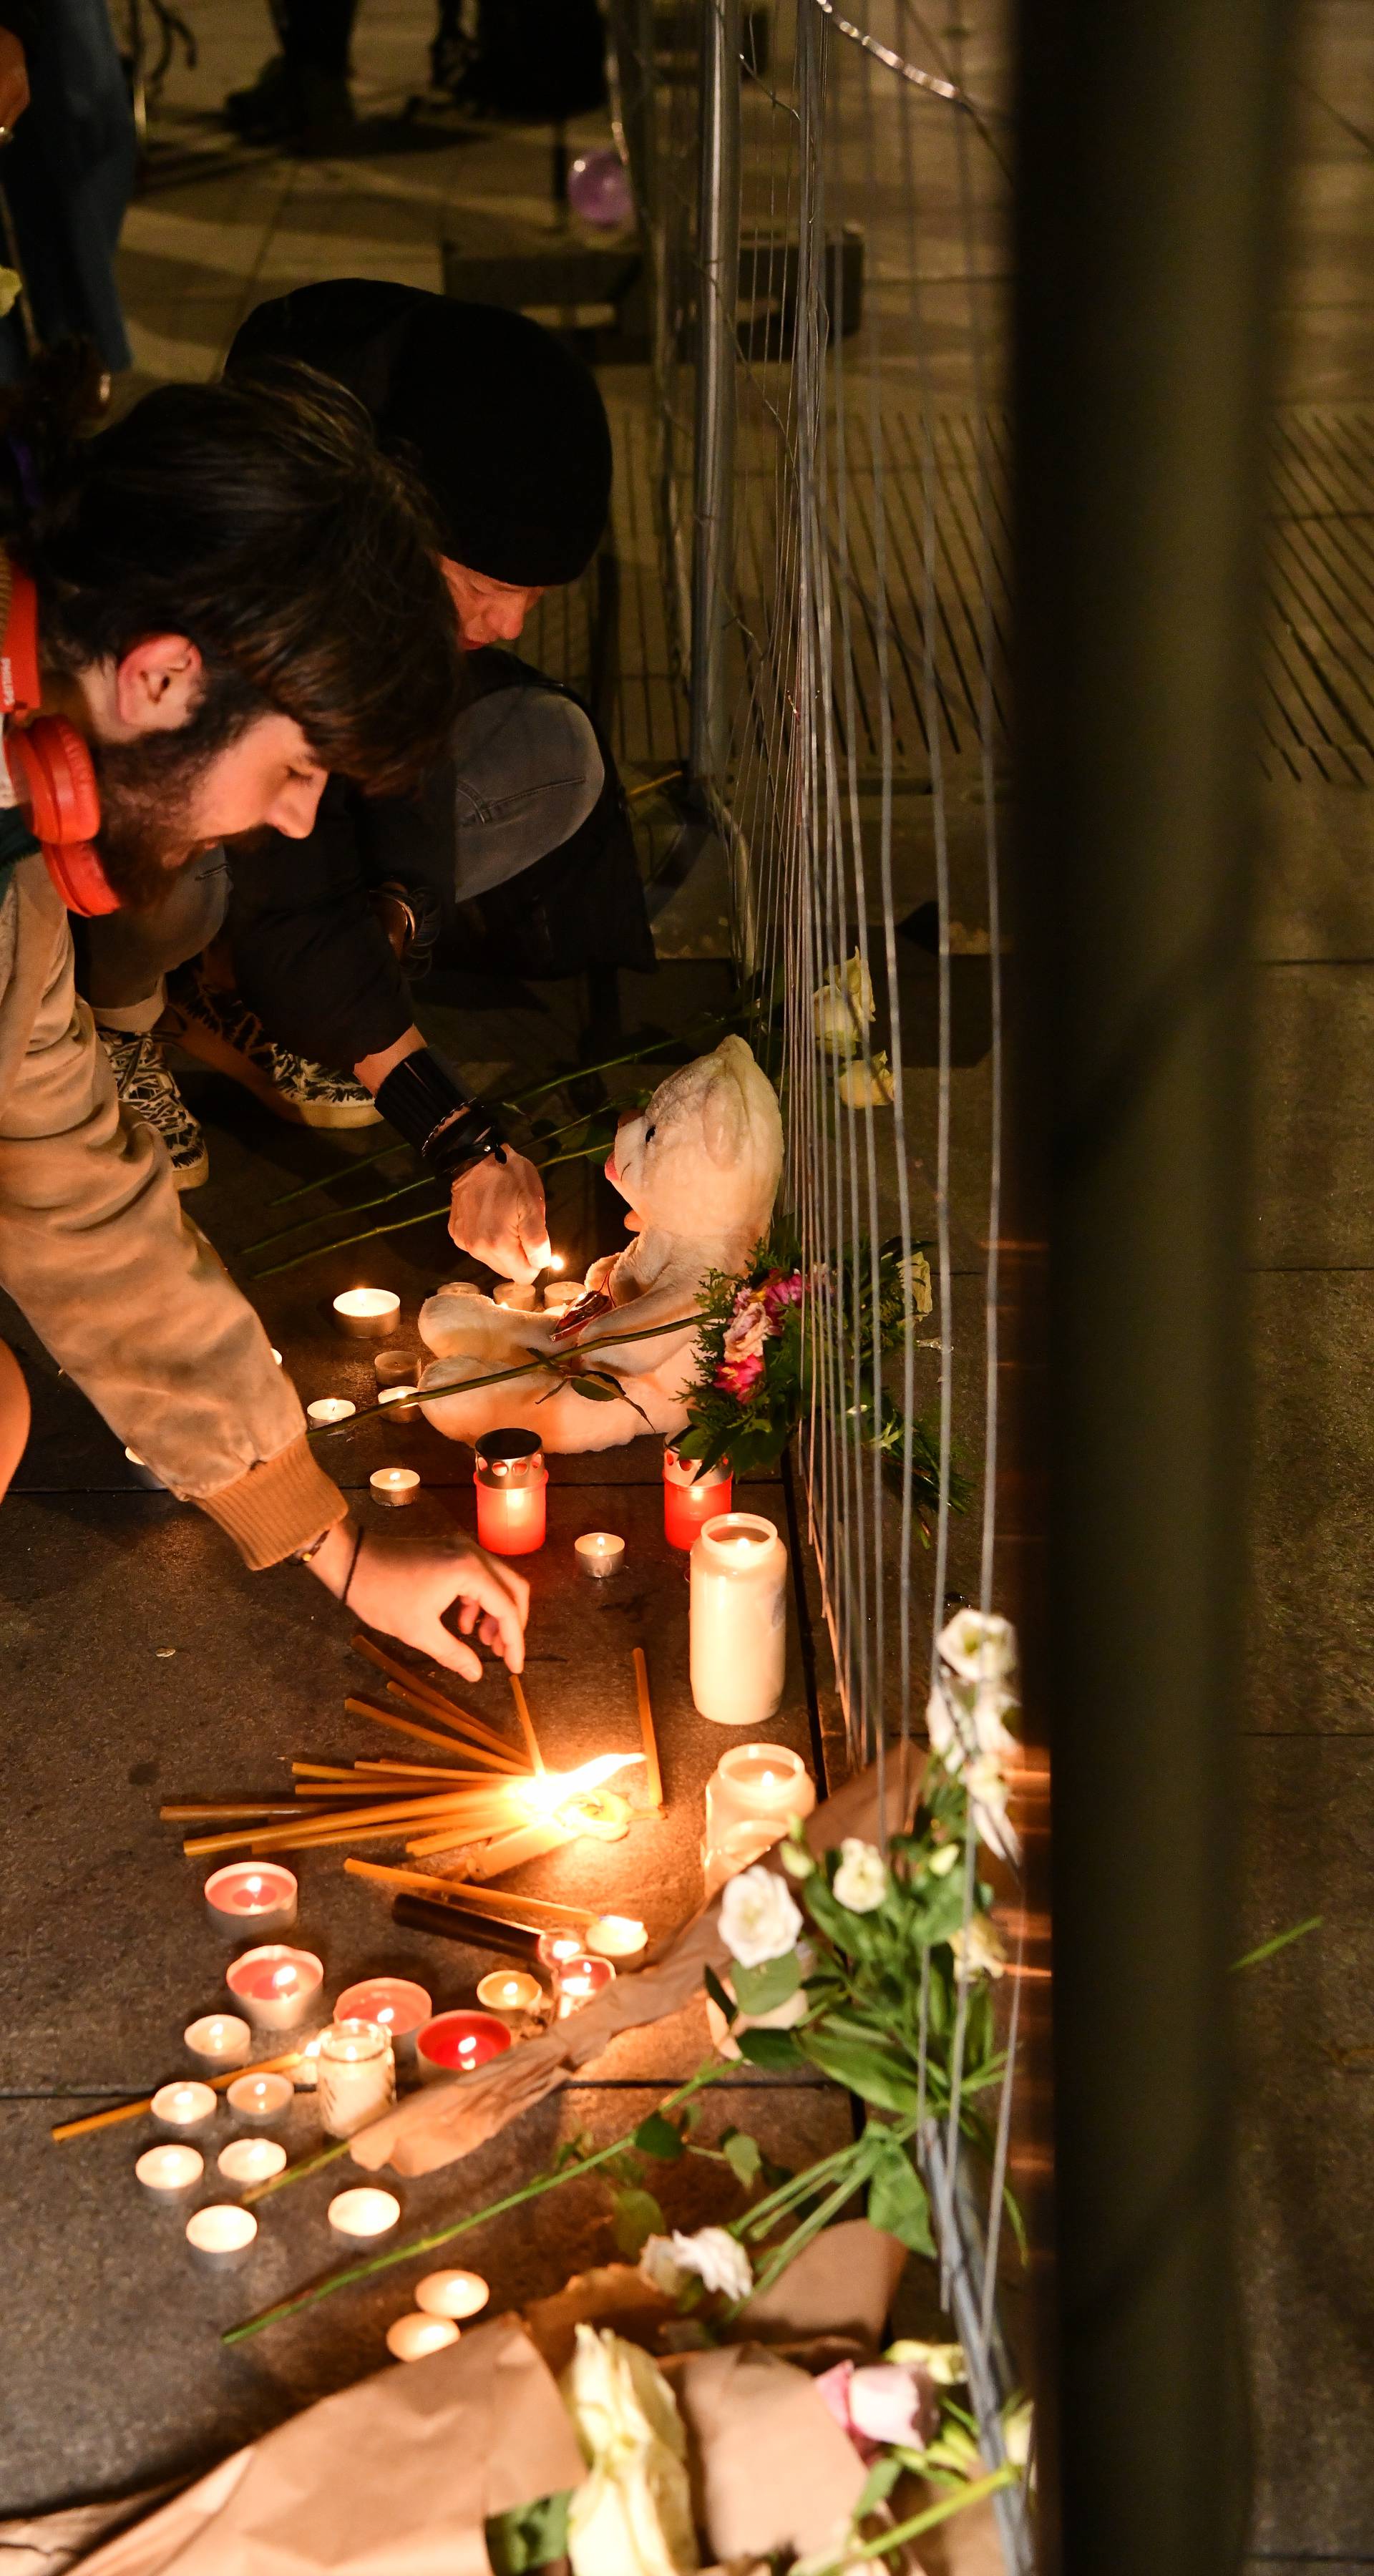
point(781, 1290)
point(881, 2402)
point(739, 1377)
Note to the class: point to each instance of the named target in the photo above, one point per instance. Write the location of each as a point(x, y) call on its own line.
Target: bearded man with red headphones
point(204, 610)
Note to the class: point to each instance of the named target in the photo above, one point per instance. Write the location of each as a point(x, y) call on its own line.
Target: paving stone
point(1314, 1175)
point(113, 2370)
point(1311, 1664)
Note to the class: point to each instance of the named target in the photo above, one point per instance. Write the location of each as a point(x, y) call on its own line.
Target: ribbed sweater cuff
point(278, 1507)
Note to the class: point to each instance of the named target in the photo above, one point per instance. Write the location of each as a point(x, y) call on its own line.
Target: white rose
point(633, 2515)
point(746, 1332)
point(758, 1920)
point(717, 2258)
point(979, 1648)
point(1017, 2426)
point(659, 2267)
point(980, 1954)
point(942, 2362)
point(861, 1879)
point(868, 1086)
point(844, 1006)
point(969, 1718)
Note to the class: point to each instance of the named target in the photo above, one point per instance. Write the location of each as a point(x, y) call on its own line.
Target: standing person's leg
point(123, 960)
point(68, 173)
point(302, 95)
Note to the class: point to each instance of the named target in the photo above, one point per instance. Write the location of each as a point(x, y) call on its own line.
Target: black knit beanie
point(505, 426)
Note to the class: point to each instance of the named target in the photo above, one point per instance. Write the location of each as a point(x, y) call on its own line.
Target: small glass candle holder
point(367, 1314)
point(579, 1982)
point(511, 1480)
point(221, 2234)
point(168, 2171)
point(689, 1499)
point(457, 2043)
point(275, 1985)
point(554, 1949)
point(219, 2040)
point(357, 2078)
point(751, 1798)
point(257, 1897)
point(413, 2337)
point(186, 2105)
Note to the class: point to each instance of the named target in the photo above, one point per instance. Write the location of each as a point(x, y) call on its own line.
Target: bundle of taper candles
point(501, 1807)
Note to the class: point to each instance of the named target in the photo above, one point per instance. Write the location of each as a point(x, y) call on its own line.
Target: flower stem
point(368, 1235)
point(340, 1172)
point(944, 2511)
point(363, 2271)
point(324, 1215)
point(297, 2172)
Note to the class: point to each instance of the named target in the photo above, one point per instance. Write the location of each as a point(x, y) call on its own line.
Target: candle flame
point(544, 1796)
point(556, 1261)
point(283, 1979)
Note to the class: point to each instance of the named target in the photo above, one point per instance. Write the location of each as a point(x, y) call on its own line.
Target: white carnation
point(717, 2258)
point(979, 1648)
point(861, 1879)
point(758, 1920)
point(659, 2266)
point(979, 1953)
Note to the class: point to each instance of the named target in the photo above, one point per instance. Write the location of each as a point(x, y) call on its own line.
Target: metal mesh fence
point(822, 209)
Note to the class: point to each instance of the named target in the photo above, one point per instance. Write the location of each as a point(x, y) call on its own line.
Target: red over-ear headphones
point(49, 765)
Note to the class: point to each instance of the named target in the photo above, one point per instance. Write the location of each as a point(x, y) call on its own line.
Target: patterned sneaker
point(211, 1023)
point(149, 1094)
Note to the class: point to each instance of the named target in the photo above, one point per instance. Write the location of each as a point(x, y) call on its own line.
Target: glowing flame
point(553, 1790)
point(556, 1261)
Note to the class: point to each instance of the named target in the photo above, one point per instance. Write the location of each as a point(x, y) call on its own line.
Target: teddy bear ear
point(725, 1121)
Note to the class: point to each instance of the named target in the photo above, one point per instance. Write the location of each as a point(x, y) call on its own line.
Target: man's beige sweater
point(129, 1297)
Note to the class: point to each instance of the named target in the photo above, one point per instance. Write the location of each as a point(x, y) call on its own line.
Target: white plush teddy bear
point(700, 1167)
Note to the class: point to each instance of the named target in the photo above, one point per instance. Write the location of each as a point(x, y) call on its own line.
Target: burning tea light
point(394, 1485)
point(689, 1500)
point(510, 1990)
point(456, 2043)
point(556, 1948)
point(515, 1294)
point(252, 1896)
point(368, 1314)
point(616, 1936)
point(305, 2074)
point(251, 2159)
point(221, 2234)
point(168, 2170)
point(364, 2212)
point(330, 1408)
point(511, 1480)
point(560, 1294)
point(276, 1986)
point(184, 2106)
point(580, 1981)
point(219, 2039)
point(738, 1619)
point(411, 2337)
point(452, 2294)
point(357, 2079)
point(395, 2004)
point(403, 1402)
point(260, 2097)
point(600, 1553)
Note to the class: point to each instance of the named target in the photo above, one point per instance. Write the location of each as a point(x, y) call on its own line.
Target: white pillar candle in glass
point(186, 2105)
point(757, 1789)
point(170, 2169)
point(736, 1849)
point(221, 2234)
point(219, 2040)
point(357, 2076)
point(738, 1619)
point(364, 2212)
point(368, 1314)
point(247, 2160)
point(411, 2337)
point(452, 2294)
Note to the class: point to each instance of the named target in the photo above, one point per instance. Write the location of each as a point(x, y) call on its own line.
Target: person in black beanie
point(524, 829)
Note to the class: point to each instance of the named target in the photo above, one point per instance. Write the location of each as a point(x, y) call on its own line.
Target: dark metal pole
point(1147, 188)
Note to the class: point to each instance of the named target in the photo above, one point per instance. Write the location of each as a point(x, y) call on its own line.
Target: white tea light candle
point(330, 1408)
point(247, 2160)
point(402, 1402)
point(615, 1936)
point(218, 2040)
point(600, 1553)
point(738, 1619)
point(409, 2338)
point(221, 2234)
point(368, 1314)
point(394, 1485)
point(514, 1293)
point(252, 1896)
point(511, 1990)
point(364, 2212)
point(187, 2105)
point(169, 2170)
point(357, 2077)
point(394, 1368)
point(452, 2294)
point(260, 2097)
point(275, 1986)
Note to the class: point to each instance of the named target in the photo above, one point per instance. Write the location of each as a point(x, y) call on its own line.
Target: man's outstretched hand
point(498, 1216)
point(404, 1586)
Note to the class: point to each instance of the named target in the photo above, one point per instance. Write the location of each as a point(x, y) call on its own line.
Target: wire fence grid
point(821, 209)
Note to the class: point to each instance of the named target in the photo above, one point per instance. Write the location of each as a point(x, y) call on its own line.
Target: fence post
point(713, 552)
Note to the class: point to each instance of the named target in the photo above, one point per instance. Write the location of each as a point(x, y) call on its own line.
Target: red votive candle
point(579, 1981)
point(252, 1897)
point(688, 1502)
point(511, 1480)
point(456, 2042)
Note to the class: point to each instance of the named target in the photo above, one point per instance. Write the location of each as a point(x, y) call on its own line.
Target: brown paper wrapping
point(770, 2466)
point(395, 2477)
point(446, 2121)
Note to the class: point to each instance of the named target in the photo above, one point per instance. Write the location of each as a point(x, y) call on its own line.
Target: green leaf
point(657, 2137)
point(719, 1997)
point(775, 2049)
point(636, 2217)
point(743, 2155)
point(877, 2486)
point(897, 2200)
point(773, 1982)
point(596, 1389)
point(529, 2535)
point(864, 2066)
